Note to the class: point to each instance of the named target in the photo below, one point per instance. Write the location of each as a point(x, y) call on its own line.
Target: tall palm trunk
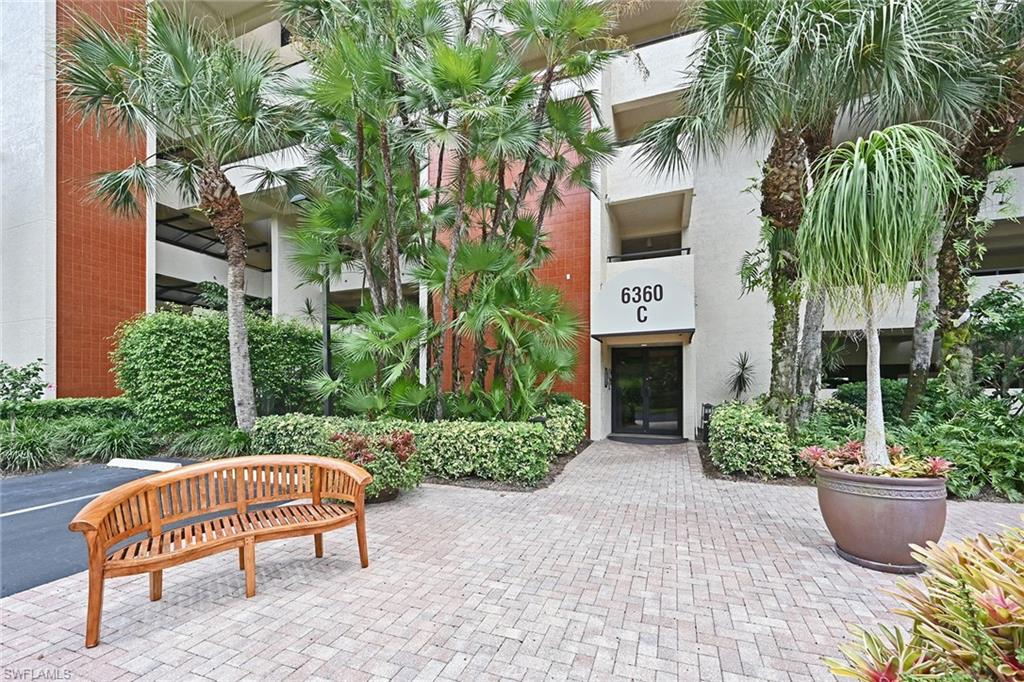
point(219, 201)
point(449, 276)
point(817, 140)
point(391, 217)
point(545, 200)
point(875, 451)
point(526, 175)
point(782, 207)
point(991, 133)
point(924, 329)
point(809, 371)
point(365, 252)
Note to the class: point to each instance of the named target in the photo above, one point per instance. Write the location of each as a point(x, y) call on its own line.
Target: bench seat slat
point(226, 529)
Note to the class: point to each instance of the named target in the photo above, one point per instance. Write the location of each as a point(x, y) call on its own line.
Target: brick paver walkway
point(632, 565)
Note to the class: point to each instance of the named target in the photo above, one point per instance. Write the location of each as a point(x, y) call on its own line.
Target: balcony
point(645, 297)
point(626, 181)
point(665, 61)
point(901, 314)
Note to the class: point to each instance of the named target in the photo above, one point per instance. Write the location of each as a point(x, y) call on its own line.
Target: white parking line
point(51, 504)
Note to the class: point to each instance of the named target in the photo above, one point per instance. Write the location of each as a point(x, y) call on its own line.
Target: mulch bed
point(711, 472)
point(554, 471)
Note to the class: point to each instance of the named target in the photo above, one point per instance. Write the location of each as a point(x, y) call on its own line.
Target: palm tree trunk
point(545, 199)
point(365, 252)
point(924, 330)
point(991, 133)
point(817, 140)
point(526, 175)
point(875, 451)
point(219, 201)
point(809, 371)
point(449, 276)
point(782, 206)
point(391, 215)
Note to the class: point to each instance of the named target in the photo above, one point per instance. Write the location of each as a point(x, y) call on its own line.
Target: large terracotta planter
point(875, 519)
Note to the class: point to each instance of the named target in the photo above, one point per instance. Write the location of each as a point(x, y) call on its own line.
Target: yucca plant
point(866, 230)
point(967, 613)
point(211, 104)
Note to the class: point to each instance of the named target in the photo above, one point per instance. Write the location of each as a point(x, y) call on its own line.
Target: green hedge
point(745, 440)
point(65, 408)
point(511, 452)
point(175, 368)
point(893, 393)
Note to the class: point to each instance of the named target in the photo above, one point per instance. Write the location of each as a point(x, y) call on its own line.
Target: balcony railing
point(642, 255)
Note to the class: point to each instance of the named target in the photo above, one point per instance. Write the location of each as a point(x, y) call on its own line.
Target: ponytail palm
point(866, 232)
point(210, 104)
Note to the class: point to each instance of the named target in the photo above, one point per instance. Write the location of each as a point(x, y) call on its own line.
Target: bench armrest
point(352, 481)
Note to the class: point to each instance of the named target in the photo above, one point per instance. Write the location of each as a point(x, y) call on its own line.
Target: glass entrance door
point(646, 390)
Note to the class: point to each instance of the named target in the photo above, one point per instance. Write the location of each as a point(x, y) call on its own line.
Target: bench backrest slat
point(150, 507)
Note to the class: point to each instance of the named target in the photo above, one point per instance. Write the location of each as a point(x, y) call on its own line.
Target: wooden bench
point(174, 517)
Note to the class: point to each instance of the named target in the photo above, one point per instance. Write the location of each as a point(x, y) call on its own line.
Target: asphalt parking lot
point(35, 543)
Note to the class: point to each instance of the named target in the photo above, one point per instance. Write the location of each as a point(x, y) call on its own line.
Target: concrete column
point(287, 289)
point(28, 171)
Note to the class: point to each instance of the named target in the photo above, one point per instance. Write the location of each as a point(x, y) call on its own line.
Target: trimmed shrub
point(213, 442)
point(511, 452)
point(390, 458)
point(67, 408)
point(745, 440)
point(176, 371)
point(566, 425)
point(893, 393)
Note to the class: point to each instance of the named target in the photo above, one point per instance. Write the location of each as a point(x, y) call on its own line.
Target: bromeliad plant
point(968, 619)
point(850, 458)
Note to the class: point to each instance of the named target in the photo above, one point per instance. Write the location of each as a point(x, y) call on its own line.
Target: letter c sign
point(641, 313)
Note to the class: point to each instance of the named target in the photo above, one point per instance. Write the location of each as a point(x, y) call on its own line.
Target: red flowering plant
point(389, 457)
point(850, 457)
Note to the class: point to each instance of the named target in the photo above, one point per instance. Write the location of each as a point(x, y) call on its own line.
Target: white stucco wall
point(288, 292)
point(724, 223)
point(174, 261)
point(28, 199)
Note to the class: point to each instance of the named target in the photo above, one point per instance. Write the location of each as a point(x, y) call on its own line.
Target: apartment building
point(649, 262)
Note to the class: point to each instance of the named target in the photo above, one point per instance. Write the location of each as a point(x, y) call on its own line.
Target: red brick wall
point(568, 234)
point(101, 258)
point(567, 229)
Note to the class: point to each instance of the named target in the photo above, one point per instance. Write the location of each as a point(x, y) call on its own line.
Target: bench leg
point(364, 558)
point(249, 550)
point(318, 545)
point(95, 609)
point(156, 585)
point(241, 558)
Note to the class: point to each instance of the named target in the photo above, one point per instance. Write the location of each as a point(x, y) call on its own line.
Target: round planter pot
point(875, 519)
point(383, 496)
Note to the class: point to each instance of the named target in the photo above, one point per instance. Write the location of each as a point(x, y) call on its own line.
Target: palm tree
point(211, 105)
point(1000, 53)
point(786, 70)
point(866, 231)
point(464, 87)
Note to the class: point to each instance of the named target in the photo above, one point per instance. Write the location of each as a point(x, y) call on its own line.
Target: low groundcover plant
point(850, 458)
